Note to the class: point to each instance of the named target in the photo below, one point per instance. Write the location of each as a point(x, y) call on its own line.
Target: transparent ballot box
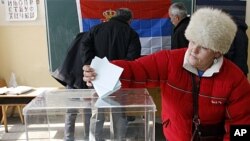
point(80, 115)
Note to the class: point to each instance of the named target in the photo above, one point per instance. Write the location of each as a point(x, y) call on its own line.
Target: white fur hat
point(211, 28)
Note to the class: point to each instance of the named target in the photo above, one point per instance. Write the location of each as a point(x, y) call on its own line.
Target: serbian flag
point(150, 19)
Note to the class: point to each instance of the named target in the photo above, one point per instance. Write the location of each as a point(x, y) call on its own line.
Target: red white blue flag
point(150, 19)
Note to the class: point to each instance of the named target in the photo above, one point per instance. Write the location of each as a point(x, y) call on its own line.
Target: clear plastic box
point(126, 115)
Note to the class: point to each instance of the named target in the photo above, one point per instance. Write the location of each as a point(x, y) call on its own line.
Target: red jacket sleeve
point(238, 111)
point(147, 71)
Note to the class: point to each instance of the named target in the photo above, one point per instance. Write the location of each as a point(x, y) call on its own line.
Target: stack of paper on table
point(107, 79)
point(3, 90)
point(15, 90)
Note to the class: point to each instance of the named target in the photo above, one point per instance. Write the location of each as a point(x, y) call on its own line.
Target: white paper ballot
point(107, 79)
point(19, 90)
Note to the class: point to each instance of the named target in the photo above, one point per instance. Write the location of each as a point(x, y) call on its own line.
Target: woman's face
point(200, 57)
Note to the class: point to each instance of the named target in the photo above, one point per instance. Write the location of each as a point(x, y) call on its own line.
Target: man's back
point(178, 39)
point(114, 39)
point(179, 18)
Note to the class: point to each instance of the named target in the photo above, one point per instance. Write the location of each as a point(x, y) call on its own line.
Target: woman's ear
point(217, 54)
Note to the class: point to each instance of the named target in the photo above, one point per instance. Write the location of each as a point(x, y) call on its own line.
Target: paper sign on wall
point(20, 10)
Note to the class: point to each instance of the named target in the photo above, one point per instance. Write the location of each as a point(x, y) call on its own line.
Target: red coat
point(223, 97)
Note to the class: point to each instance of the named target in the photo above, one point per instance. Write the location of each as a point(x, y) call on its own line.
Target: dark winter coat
point(238, 52)
point(178, 39)
point(69, 73)
point(114, 39)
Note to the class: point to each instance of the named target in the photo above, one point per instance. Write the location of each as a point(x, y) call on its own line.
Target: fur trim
point(211, 28)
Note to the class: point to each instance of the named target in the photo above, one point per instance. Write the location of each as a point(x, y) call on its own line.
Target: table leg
point(19, 108)
point(4, 118)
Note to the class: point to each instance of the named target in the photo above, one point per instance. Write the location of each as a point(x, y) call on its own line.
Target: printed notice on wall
point(21, 10)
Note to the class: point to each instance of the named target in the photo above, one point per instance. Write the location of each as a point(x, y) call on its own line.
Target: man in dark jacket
point(179, 18)
point(114, 39)
point(238, 52)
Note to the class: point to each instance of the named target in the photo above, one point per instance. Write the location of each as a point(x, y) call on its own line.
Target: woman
point(202, 92)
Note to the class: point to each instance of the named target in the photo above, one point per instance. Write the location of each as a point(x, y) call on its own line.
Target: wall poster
point(21, 10)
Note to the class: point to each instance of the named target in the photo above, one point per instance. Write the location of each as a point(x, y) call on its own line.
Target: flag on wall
point(150, 19)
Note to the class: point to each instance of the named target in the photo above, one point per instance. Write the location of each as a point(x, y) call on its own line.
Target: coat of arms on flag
point(150, 19)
